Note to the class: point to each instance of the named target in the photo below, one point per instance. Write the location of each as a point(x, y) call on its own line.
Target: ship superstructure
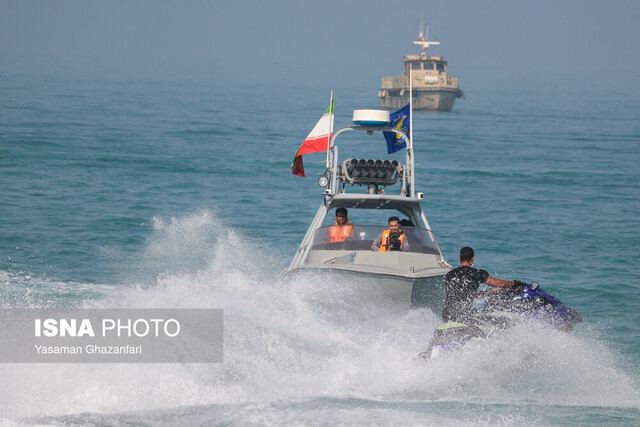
point(433, 89)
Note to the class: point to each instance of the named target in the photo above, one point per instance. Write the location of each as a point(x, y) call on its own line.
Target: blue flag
point(400, 121)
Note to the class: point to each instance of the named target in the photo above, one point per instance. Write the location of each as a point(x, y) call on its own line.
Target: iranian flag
point(317, 140)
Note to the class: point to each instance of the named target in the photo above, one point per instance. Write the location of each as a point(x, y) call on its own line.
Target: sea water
point(143, 194)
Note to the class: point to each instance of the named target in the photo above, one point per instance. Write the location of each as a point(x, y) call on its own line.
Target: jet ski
point(503, 308)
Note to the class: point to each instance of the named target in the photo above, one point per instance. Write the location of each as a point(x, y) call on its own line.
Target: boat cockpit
point(362, 237)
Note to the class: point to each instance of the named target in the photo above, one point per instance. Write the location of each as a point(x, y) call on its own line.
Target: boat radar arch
point(368, 172)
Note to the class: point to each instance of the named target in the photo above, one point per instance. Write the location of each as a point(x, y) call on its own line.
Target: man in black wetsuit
point(462, 284)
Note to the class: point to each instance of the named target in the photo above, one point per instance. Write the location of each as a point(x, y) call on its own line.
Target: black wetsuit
point(462, 284)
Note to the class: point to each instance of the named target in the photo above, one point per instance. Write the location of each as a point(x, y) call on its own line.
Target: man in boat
point(392, 239)
point(342, 230)
point(462, 285)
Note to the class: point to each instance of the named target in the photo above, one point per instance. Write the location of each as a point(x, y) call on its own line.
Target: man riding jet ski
point(511, 302)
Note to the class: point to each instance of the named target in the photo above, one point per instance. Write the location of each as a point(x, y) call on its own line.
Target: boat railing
point(361, 237)
point(393, 82)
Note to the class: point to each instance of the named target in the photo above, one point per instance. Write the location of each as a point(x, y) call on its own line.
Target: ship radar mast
point(424, 42)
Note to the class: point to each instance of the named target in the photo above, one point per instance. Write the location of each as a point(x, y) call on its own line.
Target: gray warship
point(433, 89)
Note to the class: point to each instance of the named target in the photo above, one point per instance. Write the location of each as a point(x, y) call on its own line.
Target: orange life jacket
point(384, 245)
point(338, 233)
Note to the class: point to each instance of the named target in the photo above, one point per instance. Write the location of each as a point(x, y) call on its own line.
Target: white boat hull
point(425, 292)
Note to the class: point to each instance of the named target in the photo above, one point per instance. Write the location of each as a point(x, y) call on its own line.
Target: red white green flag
point(317, 140)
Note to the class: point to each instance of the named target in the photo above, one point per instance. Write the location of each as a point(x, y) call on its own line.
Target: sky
point(538, 43)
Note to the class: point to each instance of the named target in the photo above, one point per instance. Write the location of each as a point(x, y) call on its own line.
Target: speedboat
point(503, 308)
point(386, 188)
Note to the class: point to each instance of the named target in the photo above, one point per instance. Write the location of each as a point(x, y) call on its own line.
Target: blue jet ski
point(502, 309)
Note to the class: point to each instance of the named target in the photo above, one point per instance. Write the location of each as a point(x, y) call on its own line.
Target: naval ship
point(414, 277)
point(433, 89)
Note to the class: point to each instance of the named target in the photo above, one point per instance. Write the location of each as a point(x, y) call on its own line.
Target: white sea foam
point(307, 337)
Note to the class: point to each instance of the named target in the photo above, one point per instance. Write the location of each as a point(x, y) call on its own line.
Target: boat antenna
point(424, 43)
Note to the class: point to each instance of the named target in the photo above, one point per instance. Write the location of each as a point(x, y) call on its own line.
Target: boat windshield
point(360, 237)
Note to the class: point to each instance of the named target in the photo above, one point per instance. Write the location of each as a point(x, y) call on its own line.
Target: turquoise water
point(174, 194)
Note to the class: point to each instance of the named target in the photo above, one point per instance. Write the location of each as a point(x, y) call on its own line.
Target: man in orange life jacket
point(342, 229)
point(392, 239)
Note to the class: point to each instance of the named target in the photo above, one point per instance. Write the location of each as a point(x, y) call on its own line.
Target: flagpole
point(411, 128)
point(330, 127)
